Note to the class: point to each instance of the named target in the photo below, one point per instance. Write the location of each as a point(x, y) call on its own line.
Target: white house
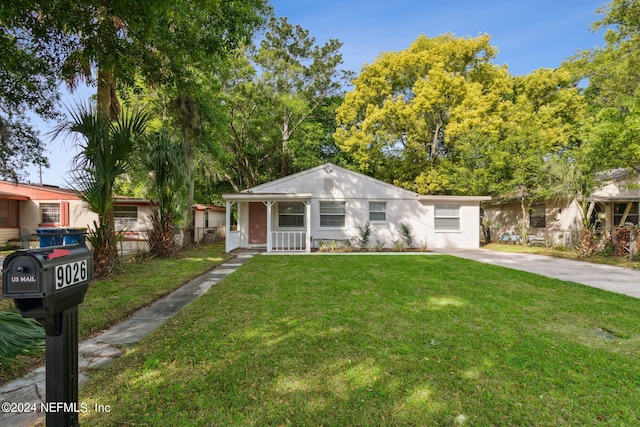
point(329, 202)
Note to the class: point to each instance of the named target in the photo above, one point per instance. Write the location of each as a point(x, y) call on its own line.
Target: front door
point(257, 223)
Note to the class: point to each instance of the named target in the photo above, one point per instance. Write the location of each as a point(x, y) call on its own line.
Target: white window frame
point(375, 209)
point(445, 215)
point(333, 208)
point(283, 213)
point(52, 210)
point(127, 222)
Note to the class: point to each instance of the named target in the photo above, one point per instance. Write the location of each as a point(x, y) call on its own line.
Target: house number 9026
point(70, 274)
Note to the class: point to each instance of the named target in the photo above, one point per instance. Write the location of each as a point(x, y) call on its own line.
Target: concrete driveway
point(615, 279)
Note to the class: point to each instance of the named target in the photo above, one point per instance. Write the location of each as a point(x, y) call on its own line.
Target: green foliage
point(407, 234)
point(395, 121)
point(279, 107)
point(163, 158)
point(19, 336)
point(438, 117)
point(106, 153)
point(378, 246)
point(28, 82)
point(398, 245)
point(364, 235)
point(612, 72)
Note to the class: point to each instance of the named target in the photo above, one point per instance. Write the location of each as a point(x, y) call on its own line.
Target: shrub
point(348, 246)
point(398, 245)
point(364, 235)
point(407, 236)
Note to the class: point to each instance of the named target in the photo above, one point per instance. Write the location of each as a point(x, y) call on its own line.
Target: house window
point(619, 210)
point(206, 218)
point(50, 213)
point(378, 211)
point(8, 213)
point(290, 214)
point(126, 217)
point(447, 218)
point(332, 214)
point(537, 216)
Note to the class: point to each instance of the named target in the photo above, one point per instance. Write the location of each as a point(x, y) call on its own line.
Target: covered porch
point(277, 222)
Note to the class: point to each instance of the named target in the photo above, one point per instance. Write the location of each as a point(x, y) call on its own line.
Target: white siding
point(332, 183)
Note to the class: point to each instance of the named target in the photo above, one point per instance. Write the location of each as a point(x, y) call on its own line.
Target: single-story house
point(330, 203)
point(27, 207)
point(613, 204)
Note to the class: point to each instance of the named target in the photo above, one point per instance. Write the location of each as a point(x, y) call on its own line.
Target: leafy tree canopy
point(613, 73)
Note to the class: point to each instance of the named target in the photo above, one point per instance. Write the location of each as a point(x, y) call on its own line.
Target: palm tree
point(106, 149)
point(164, 158)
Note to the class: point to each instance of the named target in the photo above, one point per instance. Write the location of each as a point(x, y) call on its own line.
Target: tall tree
point(394, 123)
point(105, 154)
point(28, 81)
point(279, 104)
point(111, 43)
point(613, 76)
point(163, 159)
point(300, 76)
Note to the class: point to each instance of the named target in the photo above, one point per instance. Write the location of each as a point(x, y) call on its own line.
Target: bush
point(364, 236)
point(407, 236)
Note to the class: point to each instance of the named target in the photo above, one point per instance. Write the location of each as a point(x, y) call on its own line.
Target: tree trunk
point(188, 157)
point(187, 110)
point(108, 104)
point(434, 143)
point(284, 165)
point(523, 230)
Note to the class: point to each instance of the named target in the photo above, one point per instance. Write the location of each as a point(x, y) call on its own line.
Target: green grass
point(135, 285)
point(382, 340)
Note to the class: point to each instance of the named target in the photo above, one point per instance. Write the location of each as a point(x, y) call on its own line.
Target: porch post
point(269, 239)
point(227, 227)
point(307, 215)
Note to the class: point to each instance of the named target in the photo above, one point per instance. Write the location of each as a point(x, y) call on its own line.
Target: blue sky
point(528, 35)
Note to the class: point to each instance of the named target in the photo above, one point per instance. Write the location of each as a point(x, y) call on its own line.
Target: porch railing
point(284, 241)
point(233, 240)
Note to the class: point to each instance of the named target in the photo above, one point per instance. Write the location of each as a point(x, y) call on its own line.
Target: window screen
point(332, 214)
point(447, 217)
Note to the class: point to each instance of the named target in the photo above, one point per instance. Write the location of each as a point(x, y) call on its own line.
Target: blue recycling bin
point(74, 235)
point(50, 236)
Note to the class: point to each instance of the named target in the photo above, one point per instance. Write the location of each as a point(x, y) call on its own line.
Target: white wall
point(357, 190)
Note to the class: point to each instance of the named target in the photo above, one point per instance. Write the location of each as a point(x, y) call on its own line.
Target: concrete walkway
point(615, 279)
point(99, 351)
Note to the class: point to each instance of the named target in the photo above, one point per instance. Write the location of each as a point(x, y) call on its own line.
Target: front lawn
point(382, 340)
point(134, 286)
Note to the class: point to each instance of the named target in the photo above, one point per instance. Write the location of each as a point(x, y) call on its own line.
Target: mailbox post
point(47, 284)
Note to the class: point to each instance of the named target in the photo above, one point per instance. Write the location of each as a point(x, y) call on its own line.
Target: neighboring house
point(27, 207)
point(329, 203)
point(208, 223)
point(613, 204)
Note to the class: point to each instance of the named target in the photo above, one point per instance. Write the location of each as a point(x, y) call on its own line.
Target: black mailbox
point(48, 284)
point(47, 281)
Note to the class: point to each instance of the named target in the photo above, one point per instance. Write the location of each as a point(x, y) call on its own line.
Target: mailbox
point(47, 281)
